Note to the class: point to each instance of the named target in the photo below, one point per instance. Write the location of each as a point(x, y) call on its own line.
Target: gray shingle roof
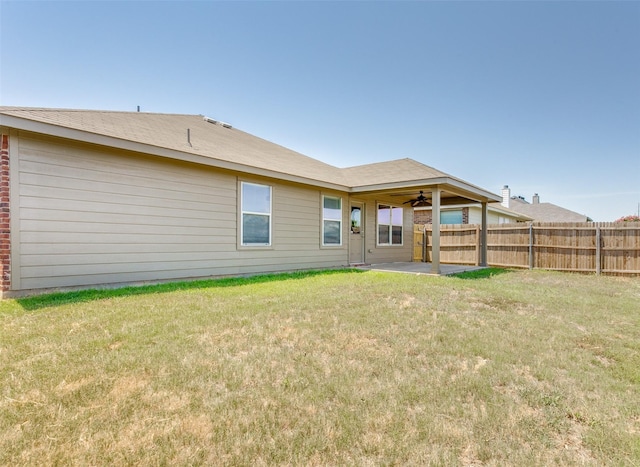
point(194, 138)
point(188, 134)
point(546, 212)
point(390, 171)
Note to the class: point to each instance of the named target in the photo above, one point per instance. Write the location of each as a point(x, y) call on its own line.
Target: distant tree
point(631, 218)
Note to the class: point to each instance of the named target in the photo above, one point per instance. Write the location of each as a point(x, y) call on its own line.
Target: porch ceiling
point(451, 192)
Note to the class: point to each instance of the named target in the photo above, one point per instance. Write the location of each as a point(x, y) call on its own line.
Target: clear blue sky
point(542, 96)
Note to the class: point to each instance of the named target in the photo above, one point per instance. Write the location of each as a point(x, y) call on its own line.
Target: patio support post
point(435, 231)
point(483, 253)
point(598, 251)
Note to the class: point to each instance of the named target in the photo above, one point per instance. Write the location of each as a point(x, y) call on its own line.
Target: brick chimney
point(535, 199)
point(506, 196)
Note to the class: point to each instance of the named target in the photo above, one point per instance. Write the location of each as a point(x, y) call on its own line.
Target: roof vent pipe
point(536, 198)
point(189, 136)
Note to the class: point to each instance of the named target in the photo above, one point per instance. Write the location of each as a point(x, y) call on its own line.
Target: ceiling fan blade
point(420, 202)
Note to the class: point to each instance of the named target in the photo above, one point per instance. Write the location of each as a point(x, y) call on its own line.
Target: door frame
point(362, 233)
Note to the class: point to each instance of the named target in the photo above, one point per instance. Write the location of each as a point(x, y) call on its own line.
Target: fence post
point(478, 251)
point(598, 252)
point(531, 246)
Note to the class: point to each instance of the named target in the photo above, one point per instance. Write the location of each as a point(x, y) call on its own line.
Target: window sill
point(255, 247)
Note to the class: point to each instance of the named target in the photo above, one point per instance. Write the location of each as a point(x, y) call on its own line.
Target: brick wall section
point(5, 228)
point(424, 217)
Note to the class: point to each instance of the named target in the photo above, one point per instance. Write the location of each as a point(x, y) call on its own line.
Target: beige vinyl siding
point(475, 216)
point(386, 254)
point(91, 216)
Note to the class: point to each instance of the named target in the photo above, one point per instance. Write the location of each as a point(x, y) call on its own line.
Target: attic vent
point(216, 122)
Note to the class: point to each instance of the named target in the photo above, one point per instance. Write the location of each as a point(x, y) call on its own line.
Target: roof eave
point(455, 185)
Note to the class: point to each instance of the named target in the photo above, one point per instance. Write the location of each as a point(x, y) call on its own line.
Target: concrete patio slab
point(420, 268)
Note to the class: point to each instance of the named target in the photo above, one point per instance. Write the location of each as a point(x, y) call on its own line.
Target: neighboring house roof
point(497, 207)
point(195, 138)
point(546, 212)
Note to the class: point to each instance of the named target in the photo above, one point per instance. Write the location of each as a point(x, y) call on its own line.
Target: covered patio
point(421, 268)
point(412, 184)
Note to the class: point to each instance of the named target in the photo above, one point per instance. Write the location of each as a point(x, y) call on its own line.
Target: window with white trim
point(390, 225)
point(331, 221)
point(255, 229)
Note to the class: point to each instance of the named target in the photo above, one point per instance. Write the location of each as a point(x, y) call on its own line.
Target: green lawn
point(343, 368)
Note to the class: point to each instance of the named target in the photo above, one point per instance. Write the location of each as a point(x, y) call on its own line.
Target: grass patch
point(60, 298)
point(524, 368)
point(485, 273)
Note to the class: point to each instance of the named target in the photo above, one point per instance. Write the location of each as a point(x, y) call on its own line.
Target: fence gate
point(418, 243)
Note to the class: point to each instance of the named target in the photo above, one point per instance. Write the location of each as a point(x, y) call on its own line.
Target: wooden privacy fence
point(594, 247)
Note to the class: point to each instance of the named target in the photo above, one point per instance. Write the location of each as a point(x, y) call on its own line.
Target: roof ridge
point(409, 160)
point(62, 109)
point(379, 162)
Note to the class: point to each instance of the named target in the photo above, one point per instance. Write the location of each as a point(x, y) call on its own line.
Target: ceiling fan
point(420, 200)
